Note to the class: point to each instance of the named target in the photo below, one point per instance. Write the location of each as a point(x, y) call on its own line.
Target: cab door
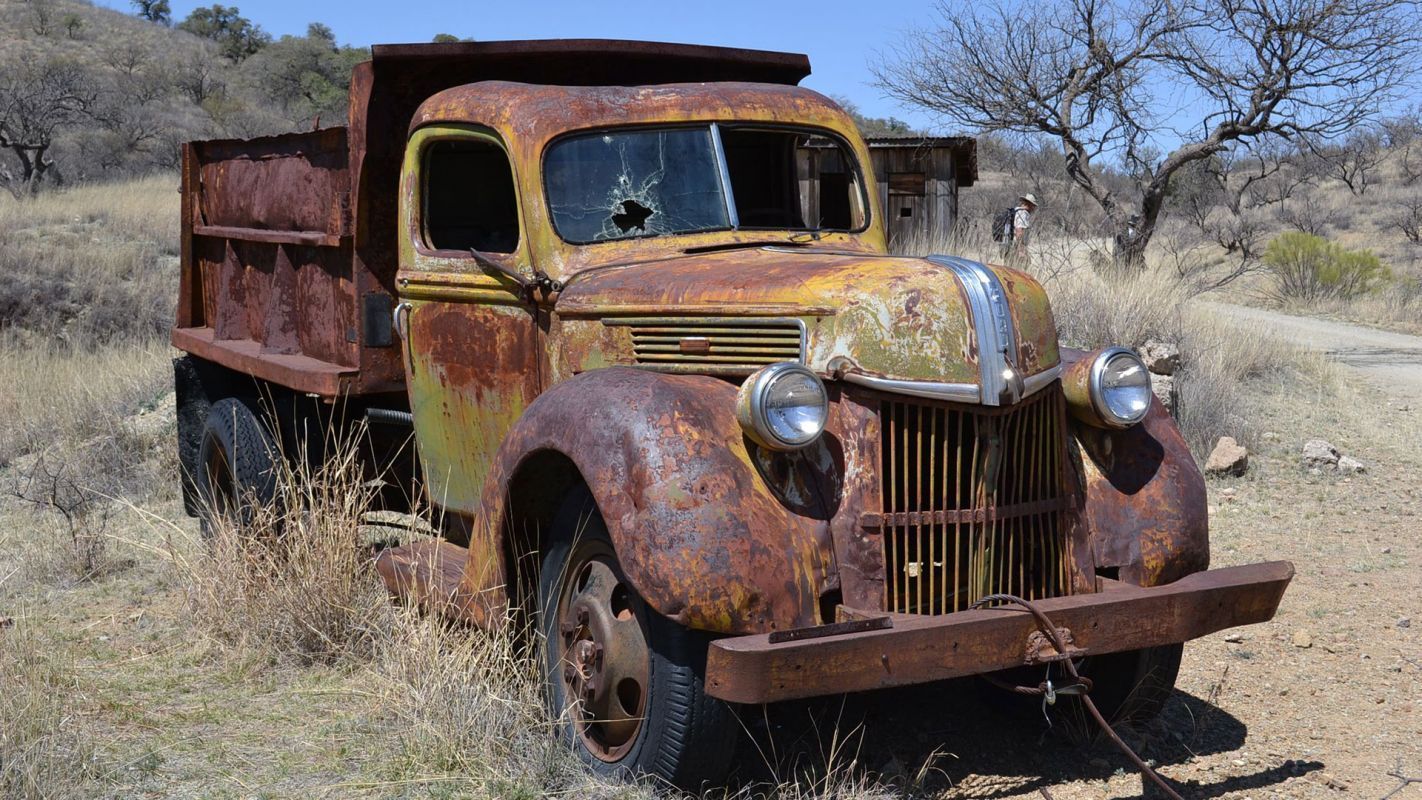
point(471, 341)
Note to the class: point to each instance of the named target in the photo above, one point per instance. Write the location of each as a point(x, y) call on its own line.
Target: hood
point(888, 317)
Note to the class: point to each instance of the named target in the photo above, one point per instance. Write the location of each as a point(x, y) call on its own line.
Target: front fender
point(1145, 503)
point(696, 529)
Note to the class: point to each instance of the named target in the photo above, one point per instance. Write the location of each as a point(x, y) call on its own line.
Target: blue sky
point(839, 37)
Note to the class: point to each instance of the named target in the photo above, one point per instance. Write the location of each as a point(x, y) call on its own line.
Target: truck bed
point(289, 242)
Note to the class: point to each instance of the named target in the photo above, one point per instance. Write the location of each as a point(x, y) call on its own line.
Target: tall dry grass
point(290, 580)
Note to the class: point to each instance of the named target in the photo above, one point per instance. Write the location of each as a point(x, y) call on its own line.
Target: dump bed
point(289, 242)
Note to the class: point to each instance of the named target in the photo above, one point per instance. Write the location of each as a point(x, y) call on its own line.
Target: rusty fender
point(1144, 497)
point(697, 530)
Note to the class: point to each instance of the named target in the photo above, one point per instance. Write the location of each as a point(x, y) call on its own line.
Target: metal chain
point(1050, 631)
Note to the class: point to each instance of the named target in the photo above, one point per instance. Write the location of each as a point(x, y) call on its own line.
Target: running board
point(427, 573)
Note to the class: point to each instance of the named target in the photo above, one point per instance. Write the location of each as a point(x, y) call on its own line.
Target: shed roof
point(964, 149)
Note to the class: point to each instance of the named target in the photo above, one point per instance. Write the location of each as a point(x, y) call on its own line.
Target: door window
point(469, 197)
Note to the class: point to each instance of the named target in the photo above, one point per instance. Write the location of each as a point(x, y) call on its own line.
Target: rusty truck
point(674, 399)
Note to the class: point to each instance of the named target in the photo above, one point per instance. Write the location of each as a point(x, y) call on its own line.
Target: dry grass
point(96, 263)
point(44, 753)
point(293, 583)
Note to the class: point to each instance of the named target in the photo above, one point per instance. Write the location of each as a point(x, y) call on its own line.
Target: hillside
point(104, 94)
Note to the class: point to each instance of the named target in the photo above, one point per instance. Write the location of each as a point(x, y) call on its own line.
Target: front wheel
point(1133, 686)
point(626, 684)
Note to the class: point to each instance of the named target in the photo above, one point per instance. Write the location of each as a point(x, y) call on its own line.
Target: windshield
point(637, 183)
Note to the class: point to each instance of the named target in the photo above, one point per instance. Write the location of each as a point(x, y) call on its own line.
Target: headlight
point(1110, 388)
point(783, 406)
point(1120, 387)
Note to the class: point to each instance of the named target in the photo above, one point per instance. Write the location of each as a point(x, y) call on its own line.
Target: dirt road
point(1391, 360)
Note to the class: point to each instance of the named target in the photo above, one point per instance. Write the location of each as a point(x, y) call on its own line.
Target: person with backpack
point(1011, 228)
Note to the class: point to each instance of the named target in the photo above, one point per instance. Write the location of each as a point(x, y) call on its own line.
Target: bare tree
point(1226, 196)
point(1352, 160)
point(1100, 75)
point(1407, 217)
point(1403, 135)
point(37, 99)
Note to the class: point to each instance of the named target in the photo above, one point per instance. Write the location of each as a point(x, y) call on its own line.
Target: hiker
point(1014, 242)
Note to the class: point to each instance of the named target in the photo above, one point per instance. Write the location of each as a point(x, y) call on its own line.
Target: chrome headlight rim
point(1097, 391)
point(751, 406)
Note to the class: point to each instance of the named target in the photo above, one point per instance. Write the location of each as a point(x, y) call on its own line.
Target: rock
point(1235, 638)
point(1404, 622)
point(1302, 639)
point(1348, 465)
point(1318, 453)
point(156, 422)
point(1228, 458)
point(1386, 550)
point(1161, 358)
point(7, 622)
point(1164, 388)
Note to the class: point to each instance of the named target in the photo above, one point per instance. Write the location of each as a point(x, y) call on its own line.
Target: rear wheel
point(626, 684)
point(236, 464)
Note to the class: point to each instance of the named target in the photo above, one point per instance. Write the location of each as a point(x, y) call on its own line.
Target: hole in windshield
point(639, 183)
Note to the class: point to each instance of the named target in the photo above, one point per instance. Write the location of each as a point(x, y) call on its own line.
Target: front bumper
point(918, 649)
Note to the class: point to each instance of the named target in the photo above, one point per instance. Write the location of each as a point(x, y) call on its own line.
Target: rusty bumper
point(907, 650)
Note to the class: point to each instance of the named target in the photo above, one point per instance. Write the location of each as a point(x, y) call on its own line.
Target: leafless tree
point(37, 99)
point(1352, 160)
point(1407, 217)
point(1309, 213)
point(1227, 196)
point(1403, 135)
point(1100, 76)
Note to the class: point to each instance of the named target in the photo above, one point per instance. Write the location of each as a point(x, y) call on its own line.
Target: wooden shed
point(918, 179)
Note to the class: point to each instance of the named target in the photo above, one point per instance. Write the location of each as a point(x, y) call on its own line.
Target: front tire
point(1133, 686)
point(625, 684)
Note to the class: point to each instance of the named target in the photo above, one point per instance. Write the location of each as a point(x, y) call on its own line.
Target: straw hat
point(1029, 198)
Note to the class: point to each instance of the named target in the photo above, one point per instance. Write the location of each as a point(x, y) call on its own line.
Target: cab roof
point(536, 113)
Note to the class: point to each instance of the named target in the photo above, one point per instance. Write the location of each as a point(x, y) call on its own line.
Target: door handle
point(400, 321)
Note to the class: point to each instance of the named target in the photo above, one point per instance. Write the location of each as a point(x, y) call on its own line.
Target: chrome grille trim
point(992, 323)
point(951, 392)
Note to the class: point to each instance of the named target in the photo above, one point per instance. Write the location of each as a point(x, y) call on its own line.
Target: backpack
point(1002, 225)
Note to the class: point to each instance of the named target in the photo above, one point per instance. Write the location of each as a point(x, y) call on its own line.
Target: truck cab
point(675, 400)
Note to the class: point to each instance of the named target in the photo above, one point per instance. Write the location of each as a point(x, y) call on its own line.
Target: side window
point(469, 198)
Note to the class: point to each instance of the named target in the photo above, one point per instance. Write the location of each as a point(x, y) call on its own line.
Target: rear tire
point(625, 684)
point(236, 465)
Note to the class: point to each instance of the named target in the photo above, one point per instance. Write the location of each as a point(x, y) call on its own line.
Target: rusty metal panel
point(284, 183)
point(918, 649)
point(1142, 497)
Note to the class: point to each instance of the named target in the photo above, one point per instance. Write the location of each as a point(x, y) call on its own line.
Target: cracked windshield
point(639, 183)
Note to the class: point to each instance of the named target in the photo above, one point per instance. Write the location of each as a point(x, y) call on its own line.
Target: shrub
point(1310, 268)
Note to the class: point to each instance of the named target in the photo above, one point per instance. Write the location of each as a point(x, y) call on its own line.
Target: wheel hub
point(604, 654)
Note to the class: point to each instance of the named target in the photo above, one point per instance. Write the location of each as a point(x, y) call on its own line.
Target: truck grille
point(735, 344)
point(974, 503)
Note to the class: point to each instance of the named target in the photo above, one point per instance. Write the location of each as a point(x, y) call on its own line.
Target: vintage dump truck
point(674, 399)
